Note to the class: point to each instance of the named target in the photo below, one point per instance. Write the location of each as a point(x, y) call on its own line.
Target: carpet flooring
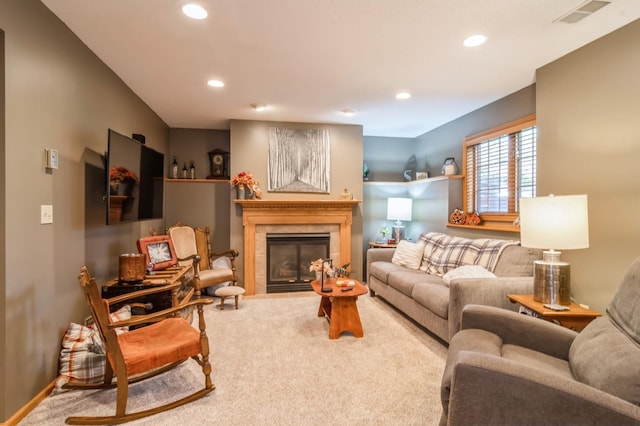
point(274, 364)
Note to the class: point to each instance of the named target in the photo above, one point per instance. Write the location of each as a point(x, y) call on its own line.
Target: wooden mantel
point(292, 212)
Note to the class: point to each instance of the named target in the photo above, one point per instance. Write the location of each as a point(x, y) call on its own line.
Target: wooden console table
point(163, 289)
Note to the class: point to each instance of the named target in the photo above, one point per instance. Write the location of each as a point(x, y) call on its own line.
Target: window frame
point(478, 138)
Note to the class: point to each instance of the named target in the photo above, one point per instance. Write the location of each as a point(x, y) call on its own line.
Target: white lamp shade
point(399, 208)
point(554, 222)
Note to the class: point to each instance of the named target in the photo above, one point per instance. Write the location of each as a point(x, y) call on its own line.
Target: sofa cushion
point(516, 261)
point(403, 279)
point(408, 254)
point(433, 296)
point(605, 358)
point(467, 271)
point(381, 270)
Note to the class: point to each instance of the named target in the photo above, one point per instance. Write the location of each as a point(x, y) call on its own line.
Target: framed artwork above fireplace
point(299, 160)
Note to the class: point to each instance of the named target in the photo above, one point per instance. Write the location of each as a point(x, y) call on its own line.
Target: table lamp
point(399, 209)
point(549, 223)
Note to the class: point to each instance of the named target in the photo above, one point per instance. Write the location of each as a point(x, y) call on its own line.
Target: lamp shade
point(554, 222)
point(399, 208)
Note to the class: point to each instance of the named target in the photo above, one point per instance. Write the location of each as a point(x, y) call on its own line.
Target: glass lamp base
point(551, 282)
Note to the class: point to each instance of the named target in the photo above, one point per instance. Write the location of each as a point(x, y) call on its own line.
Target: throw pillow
point(467, 271)
point(82, 357)
point(408, 254)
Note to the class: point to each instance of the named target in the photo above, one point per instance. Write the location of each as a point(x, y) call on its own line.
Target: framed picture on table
point(159, 250)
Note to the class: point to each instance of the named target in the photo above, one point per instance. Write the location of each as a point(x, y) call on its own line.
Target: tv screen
point(135, 178)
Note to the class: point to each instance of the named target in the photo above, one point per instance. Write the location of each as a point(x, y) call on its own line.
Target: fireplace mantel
point(292, 212)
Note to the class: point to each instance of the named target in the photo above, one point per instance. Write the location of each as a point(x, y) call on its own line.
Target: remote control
point(556, 307)
point(347, 289)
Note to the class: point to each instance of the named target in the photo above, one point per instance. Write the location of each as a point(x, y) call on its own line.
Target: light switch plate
point(46, 214)
point(51, 158)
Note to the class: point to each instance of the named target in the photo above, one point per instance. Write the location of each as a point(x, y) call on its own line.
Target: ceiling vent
point(582, 12)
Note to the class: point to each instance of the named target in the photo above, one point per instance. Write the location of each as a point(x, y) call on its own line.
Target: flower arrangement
point(327, 268)
point(383, 231)
point(243, 179)
point(317, 266)
point(122, 174)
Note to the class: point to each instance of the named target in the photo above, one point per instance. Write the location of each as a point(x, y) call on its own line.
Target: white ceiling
point(310, 59)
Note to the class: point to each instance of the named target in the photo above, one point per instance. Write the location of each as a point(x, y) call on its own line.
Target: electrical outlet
point(46, 214)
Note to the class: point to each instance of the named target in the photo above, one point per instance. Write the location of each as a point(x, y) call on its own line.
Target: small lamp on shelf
point(549, 223)
point(399, 209)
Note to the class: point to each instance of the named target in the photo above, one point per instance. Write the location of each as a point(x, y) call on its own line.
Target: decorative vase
point(240, 192)
point(121, 188)
point(449, 167)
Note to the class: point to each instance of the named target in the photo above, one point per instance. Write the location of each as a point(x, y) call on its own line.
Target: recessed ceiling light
point(347, 112)
point(403, 95)
point(475, 40)
point(194, 11)
point(259, 107)
point(215, 83)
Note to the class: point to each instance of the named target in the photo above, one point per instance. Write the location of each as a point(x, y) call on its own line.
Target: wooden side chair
point(144, 352)
point(194, 245)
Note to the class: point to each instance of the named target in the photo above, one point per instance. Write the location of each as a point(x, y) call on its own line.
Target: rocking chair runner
point(144, 352)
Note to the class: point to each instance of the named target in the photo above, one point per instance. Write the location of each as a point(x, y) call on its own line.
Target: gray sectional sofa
point(432, 292)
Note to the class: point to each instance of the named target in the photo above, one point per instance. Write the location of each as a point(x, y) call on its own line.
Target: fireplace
point(289, 257)
point(260, 217)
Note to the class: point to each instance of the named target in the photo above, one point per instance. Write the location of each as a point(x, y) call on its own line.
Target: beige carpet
point(273, 364)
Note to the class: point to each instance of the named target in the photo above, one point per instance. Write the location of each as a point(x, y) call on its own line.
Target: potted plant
point(121, 181)
point(245, 185)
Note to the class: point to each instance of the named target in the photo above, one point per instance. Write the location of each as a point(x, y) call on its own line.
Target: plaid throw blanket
point(443, 253)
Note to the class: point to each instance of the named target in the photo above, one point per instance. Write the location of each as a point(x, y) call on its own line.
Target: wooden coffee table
point(340, 307)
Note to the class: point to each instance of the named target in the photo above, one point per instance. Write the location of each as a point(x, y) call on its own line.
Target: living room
point(58, 94)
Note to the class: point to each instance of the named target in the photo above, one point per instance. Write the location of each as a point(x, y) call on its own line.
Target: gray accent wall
point(57, 94)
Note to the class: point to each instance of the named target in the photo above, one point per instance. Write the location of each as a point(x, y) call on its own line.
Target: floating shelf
point(197, 180)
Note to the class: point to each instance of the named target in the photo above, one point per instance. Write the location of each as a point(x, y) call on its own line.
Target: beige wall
point(588, 119)
point(58, 94)
point(249, 153)
point(194, 203)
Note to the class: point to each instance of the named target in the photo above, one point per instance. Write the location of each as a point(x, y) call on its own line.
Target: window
point(499, 167)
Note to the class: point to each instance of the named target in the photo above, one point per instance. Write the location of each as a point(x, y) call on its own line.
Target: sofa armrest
point(483, 291)
point(539, 335)
point(378, 255)
point(527, 396)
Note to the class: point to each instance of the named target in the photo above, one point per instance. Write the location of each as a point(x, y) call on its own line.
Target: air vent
point(582, 12)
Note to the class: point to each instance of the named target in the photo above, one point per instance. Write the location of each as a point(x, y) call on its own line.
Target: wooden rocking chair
point(144, 352)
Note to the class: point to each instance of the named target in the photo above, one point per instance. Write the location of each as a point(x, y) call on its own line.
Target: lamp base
point(551, 282)
point(398, 232)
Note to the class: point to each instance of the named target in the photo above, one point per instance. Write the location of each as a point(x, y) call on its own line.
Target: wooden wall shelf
point(500, 227)
point(197, 180)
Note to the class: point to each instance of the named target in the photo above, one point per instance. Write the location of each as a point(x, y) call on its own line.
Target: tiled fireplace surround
point(260, 217)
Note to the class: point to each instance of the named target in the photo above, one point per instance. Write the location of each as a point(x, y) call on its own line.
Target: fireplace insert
point(289, 257)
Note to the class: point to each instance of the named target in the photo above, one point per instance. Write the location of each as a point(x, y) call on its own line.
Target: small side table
point(373, 244)
point(576, 318)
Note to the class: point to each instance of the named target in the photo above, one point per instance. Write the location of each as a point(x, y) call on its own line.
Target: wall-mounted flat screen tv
point(135, 177)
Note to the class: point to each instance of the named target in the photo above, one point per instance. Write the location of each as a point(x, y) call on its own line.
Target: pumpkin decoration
point(458, 217)
point(473, 219)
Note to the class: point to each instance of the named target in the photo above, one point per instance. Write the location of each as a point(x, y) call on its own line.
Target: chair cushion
point(605, 358)
point(624, 309)
point(158, 344)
